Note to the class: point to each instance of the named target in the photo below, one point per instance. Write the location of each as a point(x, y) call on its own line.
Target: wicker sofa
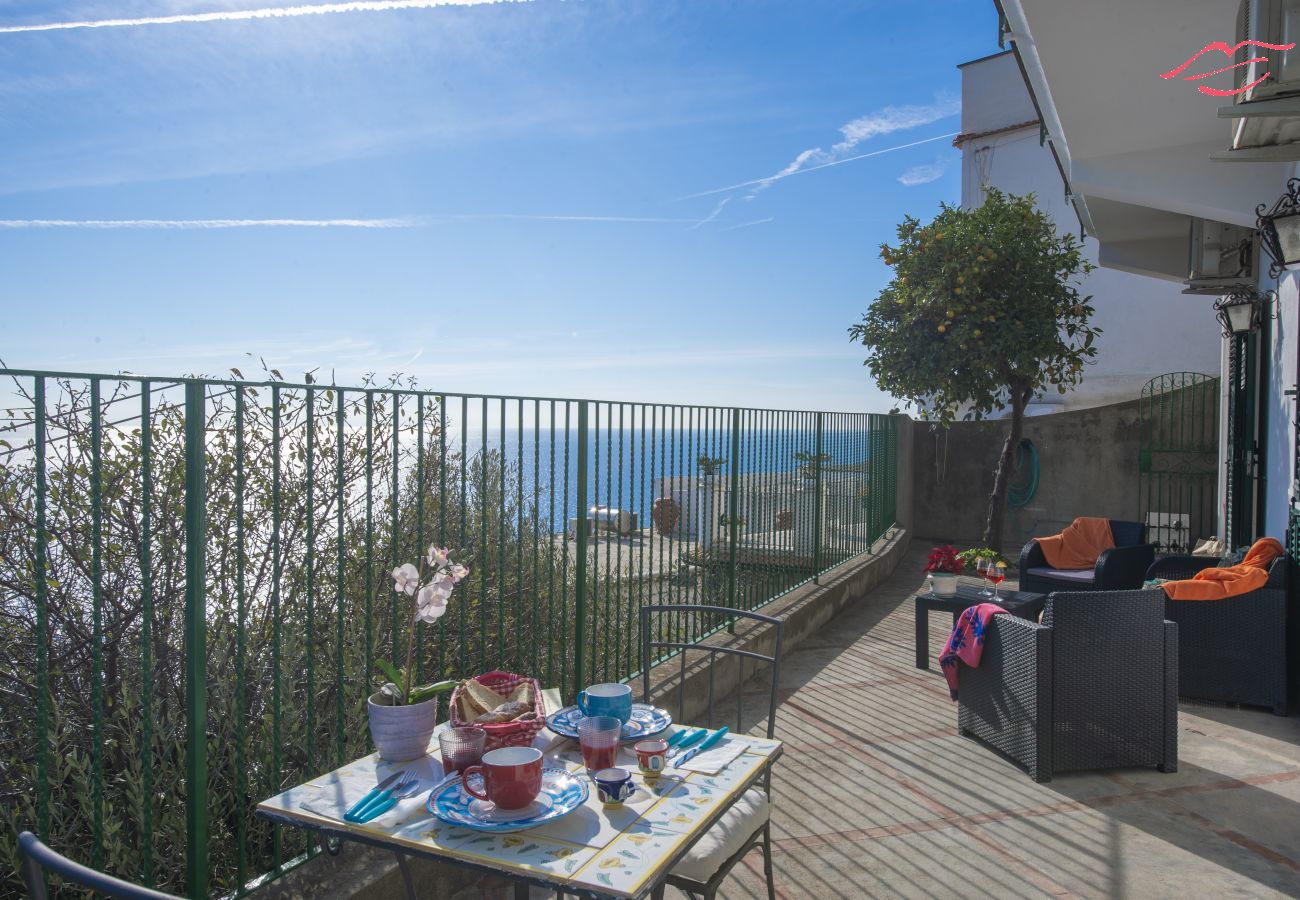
point(1094, 686)
point(1121, 568)
point(1231, 650)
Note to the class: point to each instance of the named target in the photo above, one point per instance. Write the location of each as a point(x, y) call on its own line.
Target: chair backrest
point(1127, 534)
point(1108, 668)
point(39, 859)
point(662, 628)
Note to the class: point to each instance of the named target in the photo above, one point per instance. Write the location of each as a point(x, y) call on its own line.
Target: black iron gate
point(1178, 460)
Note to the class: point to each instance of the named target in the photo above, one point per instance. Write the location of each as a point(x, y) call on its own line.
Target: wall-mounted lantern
point(1243, 310)
point(1279, 229)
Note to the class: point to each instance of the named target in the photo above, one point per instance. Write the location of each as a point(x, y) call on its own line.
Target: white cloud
point(883, 121)
point(201, 224)
point(923, 174)
point(238, 15)
point(894, 118)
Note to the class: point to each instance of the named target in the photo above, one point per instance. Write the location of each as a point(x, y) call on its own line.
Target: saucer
point(646, 721)
point(561, 794)
point(488, 812)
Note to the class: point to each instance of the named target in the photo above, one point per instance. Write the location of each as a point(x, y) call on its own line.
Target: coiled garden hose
point(1024, 487)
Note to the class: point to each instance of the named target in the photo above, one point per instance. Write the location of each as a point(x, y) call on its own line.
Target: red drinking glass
point(598, 736)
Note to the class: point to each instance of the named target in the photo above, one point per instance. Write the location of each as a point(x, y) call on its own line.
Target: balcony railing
point(194, 579)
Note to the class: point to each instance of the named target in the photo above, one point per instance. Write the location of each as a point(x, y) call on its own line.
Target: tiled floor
point(878, 796)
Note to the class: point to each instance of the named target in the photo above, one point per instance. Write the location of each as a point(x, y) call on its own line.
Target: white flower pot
point(943, 584)
point(402, 732)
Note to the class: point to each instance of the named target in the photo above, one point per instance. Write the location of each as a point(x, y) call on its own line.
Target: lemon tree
point(982, 314)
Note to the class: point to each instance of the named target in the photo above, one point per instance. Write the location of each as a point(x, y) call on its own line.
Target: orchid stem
point(410, 643)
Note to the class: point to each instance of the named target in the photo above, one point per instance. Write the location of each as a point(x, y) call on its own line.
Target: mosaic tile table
point(592, 852)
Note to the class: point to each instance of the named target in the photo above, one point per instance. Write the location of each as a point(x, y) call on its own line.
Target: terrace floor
point(878, 796)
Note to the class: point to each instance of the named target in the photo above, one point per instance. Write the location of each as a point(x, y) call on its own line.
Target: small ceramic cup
point(651, 756)
point(613, 786)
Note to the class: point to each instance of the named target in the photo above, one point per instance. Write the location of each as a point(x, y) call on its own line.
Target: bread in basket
point(502, 734)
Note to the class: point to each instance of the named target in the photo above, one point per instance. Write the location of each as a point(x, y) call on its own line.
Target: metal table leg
point(922, 634)
point(406, 874)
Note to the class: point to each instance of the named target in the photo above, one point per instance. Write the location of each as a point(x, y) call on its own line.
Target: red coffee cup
point(512, 777)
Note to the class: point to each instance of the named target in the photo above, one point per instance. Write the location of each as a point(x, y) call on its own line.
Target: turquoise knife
point(709, 742)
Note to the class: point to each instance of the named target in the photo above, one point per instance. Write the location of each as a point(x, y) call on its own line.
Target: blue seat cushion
point(1083, 576)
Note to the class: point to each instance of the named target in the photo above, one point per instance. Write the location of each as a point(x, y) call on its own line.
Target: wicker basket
point(505, 734)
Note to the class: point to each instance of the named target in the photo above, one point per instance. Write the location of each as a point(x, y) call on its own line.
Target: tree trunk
point(1020, 397)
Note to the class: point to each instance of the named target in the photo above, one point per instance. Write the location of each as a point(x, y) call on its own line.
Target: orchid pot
point(401, 732)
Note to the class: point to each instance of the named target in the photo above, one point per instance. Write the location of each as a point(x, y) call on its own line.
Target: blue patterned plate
point(646, 721)
point(561, 794)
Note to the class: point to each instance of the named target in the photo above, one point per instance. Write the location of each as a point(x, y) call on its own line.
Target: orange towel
point(1250, 574)
point(1079, 545)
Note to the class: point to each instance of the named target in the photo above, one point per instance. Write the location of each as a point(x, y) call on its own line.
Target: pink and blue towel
point(966, 643)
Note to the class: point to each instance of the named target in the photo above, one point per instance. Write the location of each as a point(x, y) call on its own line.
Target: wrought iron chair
point(39, 859)
point(748, 823)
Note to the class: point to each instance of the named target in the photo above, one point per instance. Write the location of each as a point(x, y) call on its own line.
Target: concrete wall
point(905, 474)
point(1088, 467)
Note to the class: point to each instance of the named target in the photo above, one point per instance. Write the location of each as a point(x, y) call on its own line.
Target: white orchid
point(438, 556)
point(431, 596)
point(407, 577)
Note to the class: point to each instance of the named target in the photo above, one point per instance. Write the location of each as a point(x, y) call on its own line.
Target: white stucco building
point(1000, 144)
point(1145, 157)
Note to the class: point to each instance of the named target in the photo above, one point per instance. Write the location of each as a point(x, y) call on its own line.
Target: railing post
point(733, 512)
point(817, 506)
point(580, 585)
point(196, 713)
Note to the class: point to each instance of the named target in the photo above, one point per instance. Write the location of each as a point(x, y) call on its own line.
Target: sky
point(643, 200)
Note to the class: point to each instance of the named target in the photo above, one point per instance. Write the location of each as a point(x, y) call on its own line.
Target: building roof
point(973, 135)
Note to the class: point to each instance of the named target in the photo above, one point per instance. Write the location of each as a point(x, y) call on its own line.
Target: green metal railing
point(194, 577)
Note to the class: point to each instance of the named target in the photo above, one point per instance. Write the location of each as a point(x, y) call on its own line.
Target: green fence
point(194, 577)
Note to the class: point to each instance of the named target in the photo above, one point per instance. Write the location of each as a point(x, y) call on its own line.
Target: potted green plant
point(403, 718)
point(943, 565)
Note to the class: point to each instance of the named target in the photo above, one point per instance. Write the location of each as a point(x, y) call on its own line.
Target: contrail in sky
point(239, 15)
point(838, 162)
point(199, 224)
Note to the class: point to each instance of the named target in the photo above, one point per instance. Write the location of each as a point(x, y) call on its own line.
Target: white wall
point(1149, 326)
point(1281, 409)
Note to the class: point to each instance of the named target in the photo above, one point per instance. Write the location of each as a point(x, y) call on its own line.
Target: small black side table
point(1025, 604)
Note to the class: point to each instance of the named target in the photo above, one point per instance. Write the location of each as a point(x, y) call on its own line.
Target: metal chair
point(703, 871)
point(39, 859)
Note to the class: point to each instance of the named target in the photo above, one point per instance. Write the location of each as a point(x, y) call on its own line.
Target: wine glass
point(997, 574)
point(982, 565)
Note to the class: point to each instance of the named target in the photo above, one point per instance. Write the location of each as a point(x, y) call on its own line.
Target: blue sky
point(537, 181)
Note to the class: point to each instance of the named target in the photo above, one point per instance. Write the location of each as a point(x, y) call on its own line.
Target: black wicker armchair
point(1121, 568)
point(1231, 650)
point(1094, 686)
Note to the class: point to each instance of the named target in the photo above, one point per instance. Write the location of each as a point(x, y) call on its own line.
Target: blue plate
point(646, 721)
point(561, 794)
